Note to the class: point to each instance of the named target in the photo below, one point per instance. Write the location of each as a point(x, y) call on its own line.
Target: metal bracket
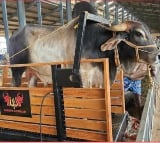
point(80, 34)
point(70, 77)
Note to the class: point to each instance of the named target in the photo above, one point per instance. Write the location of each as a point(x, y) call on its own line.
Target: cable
point(49, 93)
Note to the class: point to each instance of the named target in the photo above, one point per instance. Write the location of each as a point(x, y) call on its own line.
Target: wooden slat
point(117, 109)
point(116, 101)
point(85, 113)
point(7, 80)
point(55, 63)
point(40, 91)
point(117, 90)
point(84, 92)
point(86, 124)
point(118, 76)
point(14, 88)
point(117, 86)
point(5, 74)
point(51, 130)
point(7, 84)
point(37, 100)
point(118, 83)
point(86, 135)
point(1, 80)
point(84, 103)
point(116, 93)
point(46, 110)
point(48, 120)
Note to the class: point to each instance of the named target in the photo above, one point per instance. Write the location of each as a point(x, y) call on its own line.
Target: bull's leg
point(129, 99)
point(33, 81)
point(137, 100)
point(17, 75)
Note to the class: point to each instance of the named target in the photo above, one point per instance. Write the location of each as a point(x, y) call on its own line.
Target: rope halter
point(113, 42)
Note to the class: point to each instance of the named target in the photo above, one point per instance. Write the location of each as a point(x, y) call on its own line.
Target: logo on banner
point(13, 101)
point(16, 103)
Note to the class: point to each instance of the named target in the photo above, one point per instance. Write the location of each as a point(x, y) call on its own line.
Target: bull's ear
point(110, 44)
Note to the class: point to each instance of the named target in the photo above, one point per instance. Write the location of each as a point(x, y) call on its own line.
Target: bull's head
point(134, 42)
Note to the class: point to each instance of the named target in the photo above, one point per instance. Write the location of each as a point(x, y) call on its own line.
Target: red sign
point(16, 103)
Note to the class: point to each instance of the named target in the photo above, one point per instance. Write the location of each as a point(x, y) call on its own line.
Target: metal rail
point(70, 77)
point(146, 124)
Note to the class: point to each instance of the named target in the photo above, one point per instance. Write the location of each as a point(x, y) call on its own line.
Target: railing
point(146, 124)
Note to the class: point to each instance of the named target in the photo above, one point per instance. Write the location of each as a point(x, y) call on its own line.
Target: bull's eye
point(138, 34)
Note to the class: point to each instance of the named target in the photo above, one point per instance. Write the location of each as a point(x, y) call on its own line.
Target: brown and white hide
point(32, 77)
point(91, 76)
point(34, 32)
point(32, 35)
point(58, 46)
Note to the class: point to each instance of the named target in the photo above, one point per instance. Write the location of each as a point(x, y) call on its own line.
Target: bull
point(20, 40)
point(96, 37)
point(131, 41)
point(125, 45)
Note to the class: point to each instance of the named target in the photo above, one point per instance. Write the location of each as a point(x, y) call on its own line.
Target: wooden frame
point(87, 110)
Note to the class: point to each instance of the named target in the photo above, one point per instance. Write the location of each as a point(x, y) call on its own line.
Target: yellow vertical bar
point(122, 87)
point(107, 101)
point(5, 74)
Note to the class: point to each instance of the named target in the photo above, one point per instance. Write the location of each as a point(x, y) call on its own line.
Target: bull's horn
point(125, 26)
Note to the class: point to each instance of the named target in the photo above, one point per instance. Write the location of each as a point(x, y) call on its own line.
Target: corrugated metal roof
point(147, 11)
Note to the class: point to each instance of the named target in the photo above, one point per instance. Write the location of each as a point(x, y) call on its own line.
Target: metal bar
point(122, 14)
point(59, 105)
point(116, 13)
point(21, 13)
point(128, 17)
point(47, 14)
point(132, 17)
point(79, 42)
point(144, 133)
point(96, 18)
point(39, 12)
point(107, 14)
point(27, 7)
point(50, 13)
point(69, 10)
point(5, 20)
point(61, 12)
point(80, 34)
